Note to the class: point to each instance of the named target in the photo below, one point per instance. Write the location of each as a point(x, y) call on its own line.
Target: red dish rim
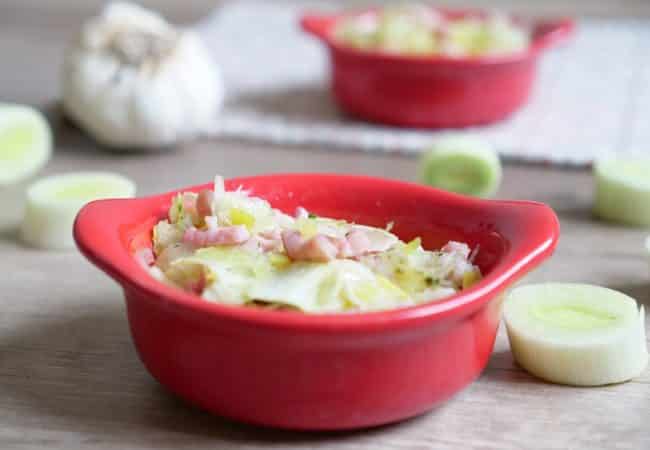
point(110, 253)
point(557, 31)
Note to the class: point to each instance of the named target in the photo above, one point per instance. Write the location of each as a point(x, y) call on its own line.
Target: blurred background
point(33, 33)
point(611, 92)
point(192, 9)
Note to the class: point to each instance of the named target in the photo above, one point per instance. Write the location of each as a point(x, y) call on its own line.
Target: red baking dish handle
point(552, 33)
point(317, 24)
point(102, 236)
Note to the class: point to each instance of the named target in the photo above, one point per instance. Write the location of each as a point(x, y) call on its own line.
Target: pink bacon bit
point(204, 203)
point(325, 248)
point(318, 248)
point(216, 236)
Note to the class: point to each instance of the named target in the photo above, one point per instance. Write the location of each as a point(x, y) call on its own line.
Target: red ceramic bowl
point(432, 91)
point(293, 370)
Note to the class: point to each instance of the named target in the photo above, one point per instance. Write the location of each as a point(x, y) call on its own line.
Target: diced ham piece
point(216, 236)
point(325, 248)
point(204, 203)
point(319, 248)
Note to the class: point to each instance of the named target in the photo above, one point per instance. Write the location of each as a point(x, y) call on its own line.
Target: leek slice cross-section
point(462, 164)
point(622, 190)
point(53, 203)
point(576, 334)
point(25, 143)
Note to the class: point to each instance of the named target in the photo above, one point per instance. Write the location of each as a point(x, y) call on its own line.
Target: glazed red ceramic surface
point(432, 91)
point(293, 370)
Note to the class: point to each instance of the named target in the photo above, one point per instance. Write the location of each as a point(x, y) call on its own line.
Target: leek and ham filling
point(231, 247)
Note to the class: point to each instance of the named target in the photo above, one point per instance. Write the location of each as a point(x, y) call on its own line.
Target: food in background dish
point(133, 80)
point(231, 247)
point(576, 334)
point(421, 30)
point(25, 143)
point(462, 164)
point(53, 203)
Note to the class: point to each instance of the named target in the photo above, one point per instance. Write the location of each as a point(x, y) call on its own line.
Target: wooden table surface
point(70, 378)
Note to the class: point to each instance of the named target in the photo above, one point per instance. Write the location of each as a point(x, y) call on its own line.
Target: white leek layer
point(53, 202)
point(576, 334)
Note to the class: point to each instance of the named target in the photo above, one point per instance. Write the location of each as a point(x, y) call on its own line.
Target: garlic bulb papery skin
point(132, 80)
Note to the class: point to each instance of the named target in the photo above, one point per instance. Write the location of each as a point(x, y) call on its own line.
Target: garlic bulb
point(132, 80)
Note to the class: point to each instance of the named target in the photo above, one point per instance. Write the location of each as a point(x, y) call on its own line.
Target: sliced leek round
point(462, 164)
point(53, 203)
point(25, 142)
point(576, 334)
point(622, 190)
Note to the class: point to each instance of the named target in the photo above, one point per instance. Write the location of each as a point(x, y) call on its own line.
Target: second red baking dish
point(432, 91)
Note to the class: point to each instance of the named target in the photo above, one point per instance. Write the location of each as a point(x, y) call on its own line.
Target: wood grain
point(70, 378)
